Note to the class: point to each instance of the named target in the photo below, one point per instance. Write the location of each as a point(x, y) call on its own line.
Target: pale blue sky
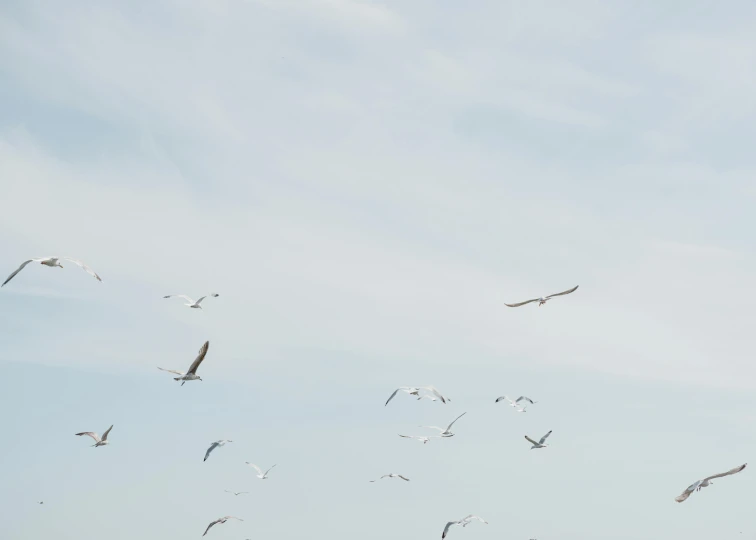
point(365, 184)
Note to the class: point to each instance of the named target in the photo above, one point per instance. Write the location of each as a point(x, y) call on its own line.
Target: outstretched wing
point(392, 396)
point(564, 292)
point(185, 297)
point(95, 436)
point(266, 472)
point(525, 398)
point(457, 418)
point(522, 303)
point(403, 478)
point(435, 392)
point(213, 523)
point(544, 437)
point(471, 517)
point(446, 529)
point(23, 265)
point(728, 473)
point(200, 300)
point(180, 373)
point(255, 467)
point(685, 494)
point(498, 399)
point(212, 447)
point(84, 267)
point(105, 435)
point(200, 358)
point(531, 440)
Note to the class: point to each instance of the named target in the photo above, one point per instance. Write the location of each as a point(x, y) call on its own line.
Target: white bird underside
point(51, 262)
point(538, 444)
point(446, 432)
point(99, 441)
point(392, 475)
point(706, 482)
point(260, 474)
point(191, 374)
point(191, 303)
point(543, 299)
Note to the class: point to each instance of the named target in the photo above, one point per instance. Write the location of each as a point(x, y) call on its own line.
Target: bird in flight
point(538, 444)
point(543, 299)
point(415, 391)
point(447, 431)
point(98, 441)
point(260, 474)
point(192, 303)
point(392, 475)
point(190, 375)
point(513, 403)
point(706, 482)
point(464, 522)
point(213, 446)
point(52, 262)
point(419, 438)
point(236, 493)
point(220, 520)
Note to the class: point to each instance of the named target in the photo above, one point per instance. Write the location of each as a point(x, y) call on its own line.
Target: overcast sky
point(365, 184)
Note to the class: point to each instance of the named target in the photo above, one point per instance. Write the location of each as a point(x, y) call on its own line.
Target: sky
point(365, 184)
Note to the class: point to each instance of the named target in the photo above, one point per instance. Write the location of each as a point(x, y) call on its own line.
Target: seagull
point(98, 441)
point(236, 493)
point(538, 444)
point(52, 262)
point(706, 482)
point(411, 390)
point(41, 502)
point(213, 446)
point(446, 432)
point(513, 403)
point(464, 522)
point(221, 520)
point(191, 375)
point(543, 299)
point(423, 439)
point(192, 303)
point(428, 396)
point(260, 474)
point(392, 475)
point(435, 391)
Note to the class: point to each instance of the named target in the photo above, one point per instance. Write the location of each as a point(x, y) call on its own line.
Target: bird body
point(706, 482)
point(446, 432)
point(53, 262)
point(191, 374)
point(98, 441)
point(392, 475)
point(215, 445)
point(191, 303)
point(261, 475)
point(421, 438)
point(236, 493)
point(543, 299)
point(538, 444)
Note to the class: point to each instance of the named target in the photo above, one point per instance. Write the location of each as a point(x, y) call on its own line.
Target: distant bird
point(513, 403)
point(98, 441)
point(52, 262)
point(191, 375)
point(260, 474)
point(538, 444)
point(392, 475)
point(415, 391)
point(706, 482)
point(543, 299)
point(192, 303)
point(435, 392)
point(446, 432)
point(411, 390)
point(220, 520)
point(428, 396)
point(464, 522)
point(213, 446)
point(41, 502)
point(236, 492)
point(419, 438)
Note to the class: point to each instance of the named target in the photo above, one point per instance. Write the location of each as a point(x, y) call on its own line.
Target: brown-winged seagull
point(543, 299)
point(98, 441)
point(191, 375)
point(53, 262)
point(706, 482)
point(539, 444)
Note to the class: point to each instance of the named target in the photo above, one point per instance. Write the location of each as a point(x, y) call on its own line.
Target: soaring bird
point(415, 391)
point(236, 493)
point(52, 262)
point(543, 299)
point(538, 444)
point(213, 446)
point(192, 303)
point(464, 522)
point(513, 403)
point(260, 474)
point(191, 375)
point(98, 441)
point(419, 438)
point(392, 475)
point(447, 431)
point(706, 482)
point(411, 390)
point(220, 520)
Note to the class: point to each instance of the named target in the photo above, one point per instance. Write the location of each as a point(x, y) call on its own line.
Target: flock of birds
point(429, 392)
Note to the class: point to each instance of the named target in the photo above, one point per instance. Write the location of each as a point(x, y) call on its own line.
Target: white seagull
point(260, 474)
point(446, 432)
point(98, 441)
point(236, 493)
point(428, 396)
point(543, 299)
point(190, 375)
point(213, 446)
point(52, 262)
point(513, 403)
point(411, 390)
point(192, 303)
point(706, 482)
point(538, 444)
point(220, 520)
point(419, 438)
point(392, 475)
point(464, 522)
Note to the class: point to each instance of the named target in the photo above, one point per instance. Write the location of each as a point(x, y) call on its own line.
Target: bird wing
point(436, 392)
point(403, 477)
point(23, 265)
point(213, 523)
point(232, 517)
point(498, 399)
point(185, 297)
point(180, 373)
point(544, 437)
point(531, 440)
point(457, 418)
point(434, 427)
point(392, 396)
point(214, 295)
point(105, 435)
point(522, 303)
point(471, 517)
point(200, 300)
point(728, 473)
point(525, 398)
point(199, 359)
point(266, 472)
point(212, 447)
point(446, 529)
point(685, 494)
point(255, 466)
point(564, 292)
point(84, 267)
point(95, 436)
